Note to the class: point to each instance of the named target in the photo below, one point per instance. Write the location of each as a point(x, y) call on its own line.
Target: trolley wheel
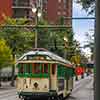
point(61, 97)
point(54, 98)
point(26, 99)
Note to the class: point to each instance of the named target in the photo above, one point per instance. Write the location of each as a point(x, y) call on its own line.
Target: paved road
point(83, 90)
point(7, 92)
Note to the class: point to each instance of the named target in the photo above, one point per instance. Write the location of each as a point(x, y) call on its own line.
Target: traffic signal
point(79, 70)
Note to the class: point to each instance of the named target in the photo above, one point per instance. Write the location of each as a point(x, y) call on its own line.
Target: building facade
point(5, 9)
point(57, 9)
point(52, 10)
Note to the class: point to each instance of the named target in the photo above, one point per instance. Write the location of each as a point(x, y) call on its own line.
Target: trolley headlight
point(26, 86)
point(35, 84)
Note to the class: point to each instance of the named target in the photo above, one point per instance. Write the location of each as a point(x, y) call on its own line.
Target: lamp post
point(66, 45)
point(37, 14)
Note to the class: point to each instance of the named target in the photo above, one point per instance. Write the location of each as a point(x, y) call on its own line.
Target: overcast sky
point(80, 27)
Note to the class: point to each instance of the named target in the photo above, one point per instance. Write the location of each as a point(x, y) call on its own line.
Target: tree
point(19, 39)
point(90, 44)
point(58, 44)
point(43, 35)
point(88, 5)
point(5, 56)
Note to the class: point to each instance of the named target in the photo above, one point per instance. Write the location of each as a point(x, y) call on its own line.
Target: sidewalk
point(85, 90)
point(80, 80)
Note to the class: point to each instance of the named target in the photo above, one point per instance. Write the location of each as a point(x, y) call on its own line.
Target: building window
point(59, 1)
point(26, 13)
point(45, 1)
point(64, 13)
point(58, 13)
point(15, 2)
point(65, 4)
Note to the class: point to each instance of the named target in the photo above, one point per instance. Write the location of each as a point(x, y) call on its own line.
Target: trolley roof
point(45, 52)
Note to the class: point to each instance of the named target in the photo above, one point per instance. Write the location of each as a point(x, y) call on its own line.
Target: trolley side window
point(33, 67)
point(44, 68)
point(21, 68)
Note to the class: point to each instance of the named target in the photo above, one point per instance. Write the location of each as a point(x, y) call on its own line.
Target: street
point(83, 90)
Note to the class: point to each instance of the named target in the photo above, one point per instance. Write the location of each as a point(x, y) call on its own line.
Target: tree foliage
point(89, 42)
point(5, 54)
point(19, 39)
point(43, 35)
point(88, 5)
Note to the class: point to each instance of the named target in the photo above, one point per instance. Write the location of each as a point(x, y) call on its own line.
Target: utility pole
point(37, 14)
point(97, 41)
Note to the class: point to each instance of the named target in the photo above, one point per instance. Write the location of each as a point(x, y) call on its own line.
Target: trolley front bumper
point(36, 94)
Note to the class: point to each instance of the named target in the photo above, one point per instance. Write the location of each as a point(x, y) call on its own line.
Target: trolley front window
point(37, 68)
point(33, 69)
point(28, 68)
point(40, 68)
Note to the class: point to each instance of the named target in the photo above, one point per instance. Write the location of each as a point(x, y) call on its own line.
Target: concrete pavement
point(83, 90)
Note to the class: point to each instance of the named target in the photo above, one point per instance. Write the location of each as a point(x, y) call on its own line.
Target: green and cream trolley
point(43, 74)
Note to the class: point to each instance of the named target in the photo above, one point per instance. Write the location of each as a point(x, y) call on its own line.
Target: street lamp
point(37, 15)
point(66, 45)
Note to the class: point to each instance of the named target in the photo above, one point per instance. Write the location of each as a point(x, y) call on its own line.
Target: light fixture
point(39, 14)
point(65, 39)
point(34, 10)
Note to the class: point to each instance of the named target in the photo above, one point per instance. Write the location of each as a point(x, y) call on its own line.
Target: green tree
point(18, 39)
point(90, 44)
point(43, 35)
point(5, 56)
point(57, 43)
point(88, 5)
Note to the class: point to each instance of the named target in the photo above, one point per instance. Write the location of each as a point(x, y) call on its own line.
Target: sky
point(81, 27)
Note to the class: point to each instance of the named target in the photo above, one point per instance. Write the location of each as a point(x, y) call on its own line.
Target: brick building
point(57, 9)
point(52, 10)
point(5, 9)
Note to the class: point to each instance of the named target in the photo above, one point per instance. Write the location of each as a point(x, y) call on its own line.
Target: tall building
point(52, 10)
point(5, 9)
point(57, 9)
point(21, 8)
